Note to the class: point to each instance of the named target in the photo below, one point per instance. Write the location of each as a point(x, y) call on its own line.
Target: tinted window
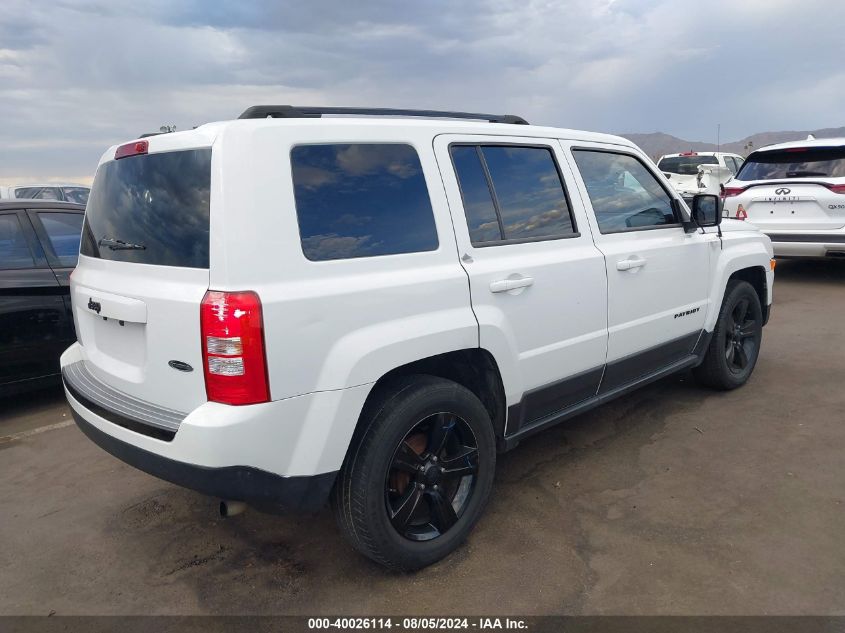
point(79, 195)
point(624, 194)
point(529, 192)
point(482, 220)
point(63, 231)
point(14, 251)
point(158, 201)
point(361, 200)
point(819, 162)
point(687, 165)
point(38, 193)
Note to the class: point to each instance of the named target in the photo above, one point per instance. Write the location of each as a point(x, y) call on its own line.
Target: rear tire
point(735, 345)
point(418, 473)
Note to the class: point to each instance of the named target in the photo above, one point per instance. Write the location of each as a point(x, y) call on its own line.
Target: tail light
point(132, 149)
point(727, 192)
point(234, 362)
point(837, 188)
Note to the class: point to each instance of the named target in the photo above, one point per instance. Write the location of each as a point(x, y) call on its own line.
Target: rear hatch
point(797, 189)
point(683, 171)
point(142, 274)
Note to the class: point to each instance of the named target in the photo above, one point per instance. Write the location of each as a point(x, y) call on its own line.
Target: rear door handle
point(630, 264)
point(503, 285)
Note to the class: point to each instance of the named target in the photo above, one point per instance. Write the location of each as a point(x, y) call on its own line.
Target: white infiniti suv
point(795, 193)
point(286, 309)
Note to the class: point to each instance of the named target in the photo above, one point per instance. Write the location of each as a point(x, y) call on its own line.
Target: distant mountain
point(658, 143)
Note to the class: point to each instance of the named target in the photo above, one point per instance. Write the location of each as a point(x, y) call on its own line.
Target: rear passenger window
point(624, 194)
point(64, 231)
point(361, 200)
point(512, 193)
point(482, 220)
point(14, 251)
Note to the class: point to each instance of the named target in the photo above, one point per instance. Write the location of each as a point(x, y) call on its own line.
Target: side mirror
point(706, 210)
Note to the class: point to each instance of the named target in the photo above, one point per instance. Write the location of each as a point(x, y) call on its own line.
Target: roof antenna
point(811, 137)
point(718, 136)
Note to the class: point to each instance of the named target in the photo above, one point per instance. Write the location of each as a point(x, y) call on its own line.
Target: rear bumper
point(808, 244)
point(241, 483)
point(283, 453)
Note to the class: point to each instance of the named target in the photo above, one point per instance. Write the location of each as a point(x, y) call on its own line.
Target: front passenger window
point(624, 194)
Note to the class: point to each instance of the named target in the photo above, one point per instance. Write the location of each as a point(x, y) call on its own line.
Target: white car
point(692, 173)
point(67, 192)
point(795, 193)
point(285, 308)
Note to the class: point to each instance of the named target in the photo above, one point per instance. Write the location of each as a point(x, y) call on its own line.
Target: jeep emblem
point(94, 305)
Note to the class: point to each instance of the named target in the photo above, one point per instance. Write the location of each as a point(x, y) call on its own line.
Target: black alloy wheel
point(418, 472)
point(741, 340)
point(431, 477)
point(735, 344)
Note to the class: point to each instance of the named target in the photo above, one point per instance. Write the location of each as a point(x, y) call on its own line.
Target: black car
point(39, 246)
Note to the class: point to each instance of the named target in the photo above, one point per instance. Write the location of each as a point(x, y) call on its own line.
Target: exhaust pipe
point(231, 508)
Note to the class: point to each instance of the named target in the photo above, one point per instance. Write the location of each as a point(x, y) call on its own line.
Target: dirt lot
point(672, 500)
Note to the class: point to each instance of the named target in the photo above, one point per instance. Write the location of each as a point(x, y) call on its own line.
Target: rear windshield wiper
point(120, 245)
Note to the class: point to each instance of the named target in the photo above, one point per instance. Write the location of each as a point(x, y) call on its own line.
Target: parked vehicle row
point(78, 194)
point(409, 297)
point(39, 247)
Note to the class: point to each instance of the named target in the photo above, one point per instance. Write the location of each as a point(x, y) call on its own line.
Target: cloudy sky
point(78, 76)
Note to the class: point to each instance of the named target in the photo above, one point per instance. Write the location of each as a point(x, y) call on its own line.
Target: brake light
point(837, 188)
point(688, 154)
point(132, 149)
point(728, 192)
point(234, 362)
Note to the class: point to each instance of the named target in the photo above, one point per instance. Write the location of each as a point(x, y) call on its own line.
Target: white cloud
point(114, 68)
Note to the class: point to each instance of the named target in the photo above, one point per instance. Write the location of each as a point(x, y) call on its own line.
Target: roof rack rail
point(307, 112)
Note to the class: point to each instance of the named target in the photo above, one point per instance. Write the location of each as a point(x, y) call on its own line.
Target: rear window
point(816, 162)
point(687, 165)
point(151, 209)
point(38, 193)
point(361, 200)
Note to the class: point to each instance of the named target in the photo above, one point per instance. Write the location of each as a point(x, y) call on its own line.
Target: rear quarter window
point(63, 230)
point(361, 200)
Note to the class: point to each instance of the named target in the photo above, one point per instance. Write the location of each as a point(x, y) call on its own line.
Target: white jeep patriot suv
point(288, 308)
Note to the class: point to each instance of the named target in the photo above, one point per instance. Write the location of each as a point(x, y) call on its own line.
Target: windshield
point(800, 162)
point(151, 209)
point(686, 165)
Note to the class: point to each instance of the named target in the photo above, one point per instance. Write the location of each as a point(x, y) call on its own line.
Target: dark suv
point(39, 246)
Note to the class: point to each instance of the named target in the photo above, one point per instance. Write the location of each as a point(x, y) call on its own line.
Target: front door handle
point(503, 285)
point(630, 264)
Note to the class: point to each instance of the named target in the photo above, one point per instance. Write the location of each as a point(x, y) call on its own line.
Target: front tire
point(418, 474)
point(735, 345)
